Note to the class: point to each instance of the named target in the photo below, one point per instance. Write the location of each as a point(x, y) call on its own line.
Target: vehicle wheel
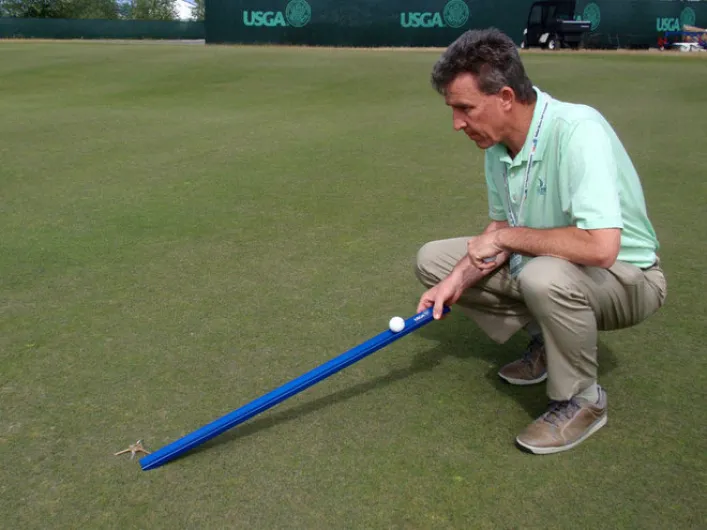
point(552, 44)
point(523, 45)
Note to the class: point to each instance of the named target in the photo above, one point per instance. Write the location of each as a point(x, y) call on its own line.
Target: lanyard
point(516, 220)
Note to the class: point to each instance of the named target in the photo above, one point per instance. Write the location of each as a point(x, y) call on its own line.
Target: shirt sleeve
point(591, 166)
point(497, 210)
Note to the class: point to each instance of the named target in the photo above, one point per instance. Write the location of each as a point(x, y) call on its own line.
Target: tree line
point(97, 9)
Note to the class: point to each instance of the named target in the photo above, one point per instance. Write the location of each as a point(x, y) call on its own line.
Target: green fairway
point(185, 228)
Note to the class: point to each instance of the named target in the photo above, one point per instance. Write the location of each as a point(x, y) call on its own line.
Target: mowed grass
point(187, 228)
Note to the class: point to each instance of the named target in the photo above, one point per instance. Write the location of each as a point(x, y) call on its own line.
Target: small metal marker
point(133, 449)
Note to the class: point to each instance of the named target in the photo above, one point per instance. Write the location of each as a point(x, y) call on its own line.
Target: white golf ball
point(396, 324)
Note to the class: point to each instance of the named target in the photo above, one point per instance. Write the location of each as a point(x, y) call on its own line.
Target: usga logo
point(454, 15)
point(297, 14)
point(592, 13)
point(687, 18)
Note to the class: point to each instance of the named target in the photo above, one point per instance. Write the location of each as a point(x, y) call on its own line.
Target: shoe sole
point(550, 450)
point(523, 382)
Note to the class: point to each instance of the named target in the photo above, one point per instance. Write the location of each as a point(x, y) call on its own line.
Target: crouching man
point(569, 249)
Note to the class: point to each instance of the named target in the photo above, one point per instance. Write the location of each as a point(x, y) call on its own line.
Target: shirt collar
point(522, 156)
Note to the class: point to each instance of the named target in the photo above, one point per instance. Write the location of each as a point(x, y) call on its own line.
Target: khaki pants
point(569, 302)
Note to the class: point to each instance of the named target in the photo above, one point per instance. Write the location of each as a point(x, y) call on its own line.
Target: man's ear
point(506, 97)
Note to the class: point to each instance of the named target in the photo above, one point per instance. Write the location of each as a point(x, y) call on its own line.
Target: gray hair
point(491, 57)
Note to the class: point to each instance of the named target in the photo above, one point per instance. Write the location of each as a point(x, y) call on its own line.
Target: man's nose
point(458, 120)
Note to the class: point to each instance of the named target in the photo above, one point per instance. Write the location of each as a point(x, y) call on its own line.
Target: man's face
point(480, 116)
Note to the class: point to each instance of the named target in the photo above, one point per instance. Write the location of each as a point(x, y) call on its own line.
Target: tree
point(125, 9)
point(59, 8)
point(101, 9)
point(33, 8)
point(154, 10)
point(198, 12)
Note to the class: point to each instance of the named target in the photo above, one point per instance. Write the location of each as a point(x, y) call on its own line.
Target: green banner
point(357, 22)
point(615, 23)
point(638, 23)
point(624, 23)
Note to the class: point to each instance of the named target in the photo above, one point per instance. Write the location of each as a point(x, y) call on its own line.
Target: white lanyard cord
point(516, 220)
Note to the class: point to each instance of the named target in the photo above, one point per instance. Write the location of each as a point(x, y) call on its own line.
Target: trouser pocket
point(644, 291)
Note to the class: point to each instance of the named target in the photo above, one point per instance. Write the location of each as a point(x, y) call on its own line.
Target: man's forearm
point(571, 243)
point(465, 273)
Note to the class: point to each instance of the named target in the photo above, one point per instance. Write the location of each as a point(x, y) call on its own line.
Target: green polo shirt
point(580, 176)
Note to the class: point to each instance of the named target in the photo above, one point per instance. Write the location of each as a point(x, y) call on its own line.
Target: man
point(569, 250)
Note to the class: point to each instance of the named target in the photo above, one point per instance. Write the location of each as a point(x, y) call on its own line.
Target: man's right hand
point(449, 290)
point(446, 292)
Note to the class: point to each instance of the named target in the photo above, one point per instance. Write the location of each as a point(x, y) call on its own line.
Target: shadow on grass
point(422, 362)
point(455, 337)
point(463, 339)
point(534, 399)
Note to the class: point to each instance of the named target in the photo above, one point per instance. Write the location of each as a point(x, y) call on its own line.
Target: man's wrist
point(500, 239)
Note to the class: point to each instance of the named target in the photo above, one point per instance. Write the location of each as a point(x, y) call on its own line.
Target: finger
point(478, 262)
point(424, 303)
point(438, 310)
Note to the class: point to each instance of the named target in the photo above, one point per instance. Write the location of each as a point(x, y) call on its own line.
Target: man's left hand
point(484, 252)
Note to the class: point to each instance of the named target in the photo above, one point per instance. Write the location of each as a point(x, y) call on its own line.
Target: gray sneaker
point(565, 425)
point(529, 369)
